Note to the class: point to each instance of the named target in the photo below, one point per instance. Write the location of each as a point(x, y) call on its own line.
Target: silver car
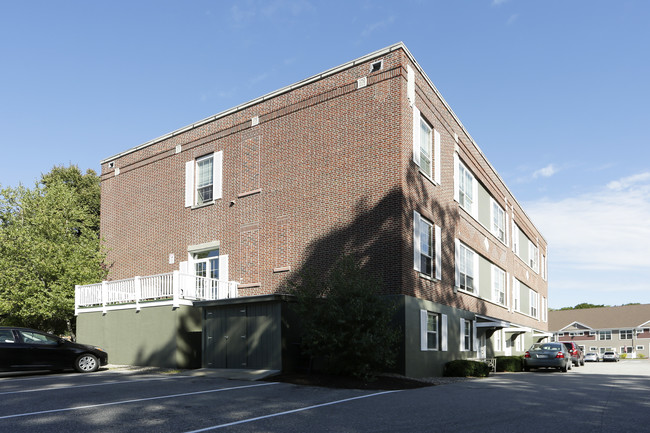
point(610, 356)
point(547, 355)
point(592, 357)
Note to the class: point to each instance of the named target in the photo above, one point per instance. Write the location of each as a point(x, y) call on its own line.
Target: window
point(515, 238)
point(432, 331)
point(466, 335)
point(433, 328)
point(206, 264)
point(593, 349)
point(427, 247)
point(604, 335)
point(627, 349)
point(425, 147)
point(516, 295)
point(203, 180)
point(31, 337)
point(625, 334)
point(6, 336)
point(498, 285)
point(466, 188)
point(498, 222)
point(376, 66)
point(640, 347)
point(497, 340)
point(533, 261)
point(534, 301)
point(466, 267)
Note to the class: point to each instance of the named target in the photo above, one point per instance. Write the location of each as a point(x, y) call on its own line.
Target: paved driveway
point(598, 397)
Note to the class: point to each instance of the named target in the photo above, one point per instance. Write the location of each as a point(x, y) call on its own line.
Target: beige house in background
point(624, 329)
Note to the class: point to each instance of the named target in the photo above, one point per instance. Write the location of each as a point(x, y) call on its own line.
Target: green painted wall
point(154, 336)
point(484, 207)
point(485, 278)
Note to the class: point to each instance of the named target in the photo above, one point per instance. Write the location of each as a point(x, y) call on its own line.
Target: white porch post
point(76, 299)
point(104, 296)
point(176, 289)
point(138, 292)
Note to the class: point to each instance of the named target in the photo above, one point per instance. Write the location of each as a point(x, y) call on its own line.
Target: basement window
point(374, 67)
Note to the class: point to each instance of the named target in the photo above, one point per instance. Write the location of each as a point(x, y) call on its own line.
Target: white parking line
point(91, 406)
point(289, 412)
point(58, 388)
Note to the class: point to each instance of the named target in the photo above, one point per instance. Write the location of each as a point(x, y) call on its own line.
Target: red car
point(577, 357)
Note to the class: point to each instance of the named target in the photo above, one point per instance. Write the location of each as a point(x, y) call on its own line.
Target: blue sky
point(556, 94)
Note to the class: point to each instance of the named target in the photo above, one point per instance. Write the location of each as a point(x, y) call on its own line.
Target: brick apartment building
point(366, 158)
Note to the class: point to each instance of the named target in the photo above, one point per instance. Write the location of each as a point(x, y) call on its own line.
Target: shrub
point(346, 325)
point(640, 356)
point(465, 368)
point(510, 363)
point(623, 355)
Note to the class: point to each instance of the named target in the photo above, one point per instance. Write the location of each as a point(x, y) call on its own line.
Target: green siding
point(525, 298)
point(154, 336)
point(485, 278)
point(484, 206)
point(523, 246)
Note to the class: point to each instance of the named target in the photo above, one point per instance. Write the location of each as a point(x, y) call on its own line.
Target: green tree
point(49, 241)
point(345, 322)
point(582, 306)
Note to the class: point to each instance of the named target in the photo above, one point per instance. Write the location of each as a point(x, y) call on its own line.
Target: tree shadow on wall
point(381, 237)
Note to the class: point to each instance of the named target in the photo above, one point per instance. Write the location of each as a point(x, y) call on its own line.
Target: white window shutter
point(436, 156)
point(438, 247)
point(456, 174)
point(416, 135)
point(189, 183)
point(217, 178)
point(507, 228)
point(474, 339)
point(443, 343)
point(223, 267)
point(423, 330)
point(416, 241)
point(457, 261)
point(462, 334)
point(410, 84)
point(508, 295)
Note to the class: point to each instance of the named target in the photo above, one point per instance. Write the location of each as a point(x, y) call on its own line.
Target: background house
point(624, 329)
point(366, 158)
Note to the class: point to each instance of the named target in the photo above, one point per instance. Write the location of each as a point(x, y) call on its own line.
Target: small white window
point(498, 221)
point(466, 189)
point(516, 294)
point(533, 253)
point(466, 268)
point(534, 300)
point(203, 181)
point(433, 328)
point(426, 148)
point(498, 285)
point(427, 247)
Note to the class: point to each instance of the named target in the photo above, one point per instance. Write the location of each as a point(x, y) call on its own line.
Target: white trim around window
point(466, 267)
point(427, 247)
point(433, 331)
point(199, 184)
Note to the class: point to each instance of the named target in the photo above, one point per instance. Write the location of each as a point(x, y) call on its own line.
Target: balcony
point(173, 289)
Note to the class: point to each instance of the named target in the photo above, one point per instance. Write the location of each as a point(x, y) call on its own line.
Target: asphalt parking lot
point(599, 396)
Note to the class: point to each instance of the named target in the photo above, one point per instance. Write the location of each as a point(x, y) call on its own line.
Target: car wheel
point(86, 363)
point(526, 368)
point(566, 368)
point(582, 362)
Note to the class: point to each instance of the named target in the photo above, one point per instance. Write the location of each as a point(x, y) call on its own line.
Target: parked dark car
point(28, 349)
point(577, 356)
point(547, 355)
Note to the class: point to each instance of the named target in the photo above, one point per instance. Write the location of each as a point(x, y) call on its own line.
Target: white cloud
point(599, 243)
point(547, 171)
point(607, 229)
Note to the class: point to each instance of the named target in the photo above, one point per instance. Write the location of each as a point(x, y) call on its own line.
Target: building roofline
point(317, 77)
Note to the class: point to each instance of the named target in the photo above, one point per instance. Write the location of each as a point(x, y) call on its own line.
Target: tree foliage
point(49, 241)
point(345, 322)
point(582, 306)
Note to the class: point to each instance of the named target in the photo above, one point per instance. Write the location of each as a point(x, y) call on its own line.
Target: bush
point(465, 368)
point(640, 356)
point(510, 363)
point(623, 355)
point(346, 325)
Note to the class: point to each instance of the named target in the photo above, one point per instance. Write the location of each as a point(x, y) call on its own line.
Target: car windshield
point(546, 347)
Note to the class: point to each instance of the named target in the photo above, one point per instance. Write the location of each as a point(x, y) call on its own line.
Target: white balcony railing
point(165, 289)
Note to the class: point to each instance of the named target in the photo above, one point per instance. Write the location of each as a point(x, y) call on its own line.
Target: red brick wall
point(327, 171)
